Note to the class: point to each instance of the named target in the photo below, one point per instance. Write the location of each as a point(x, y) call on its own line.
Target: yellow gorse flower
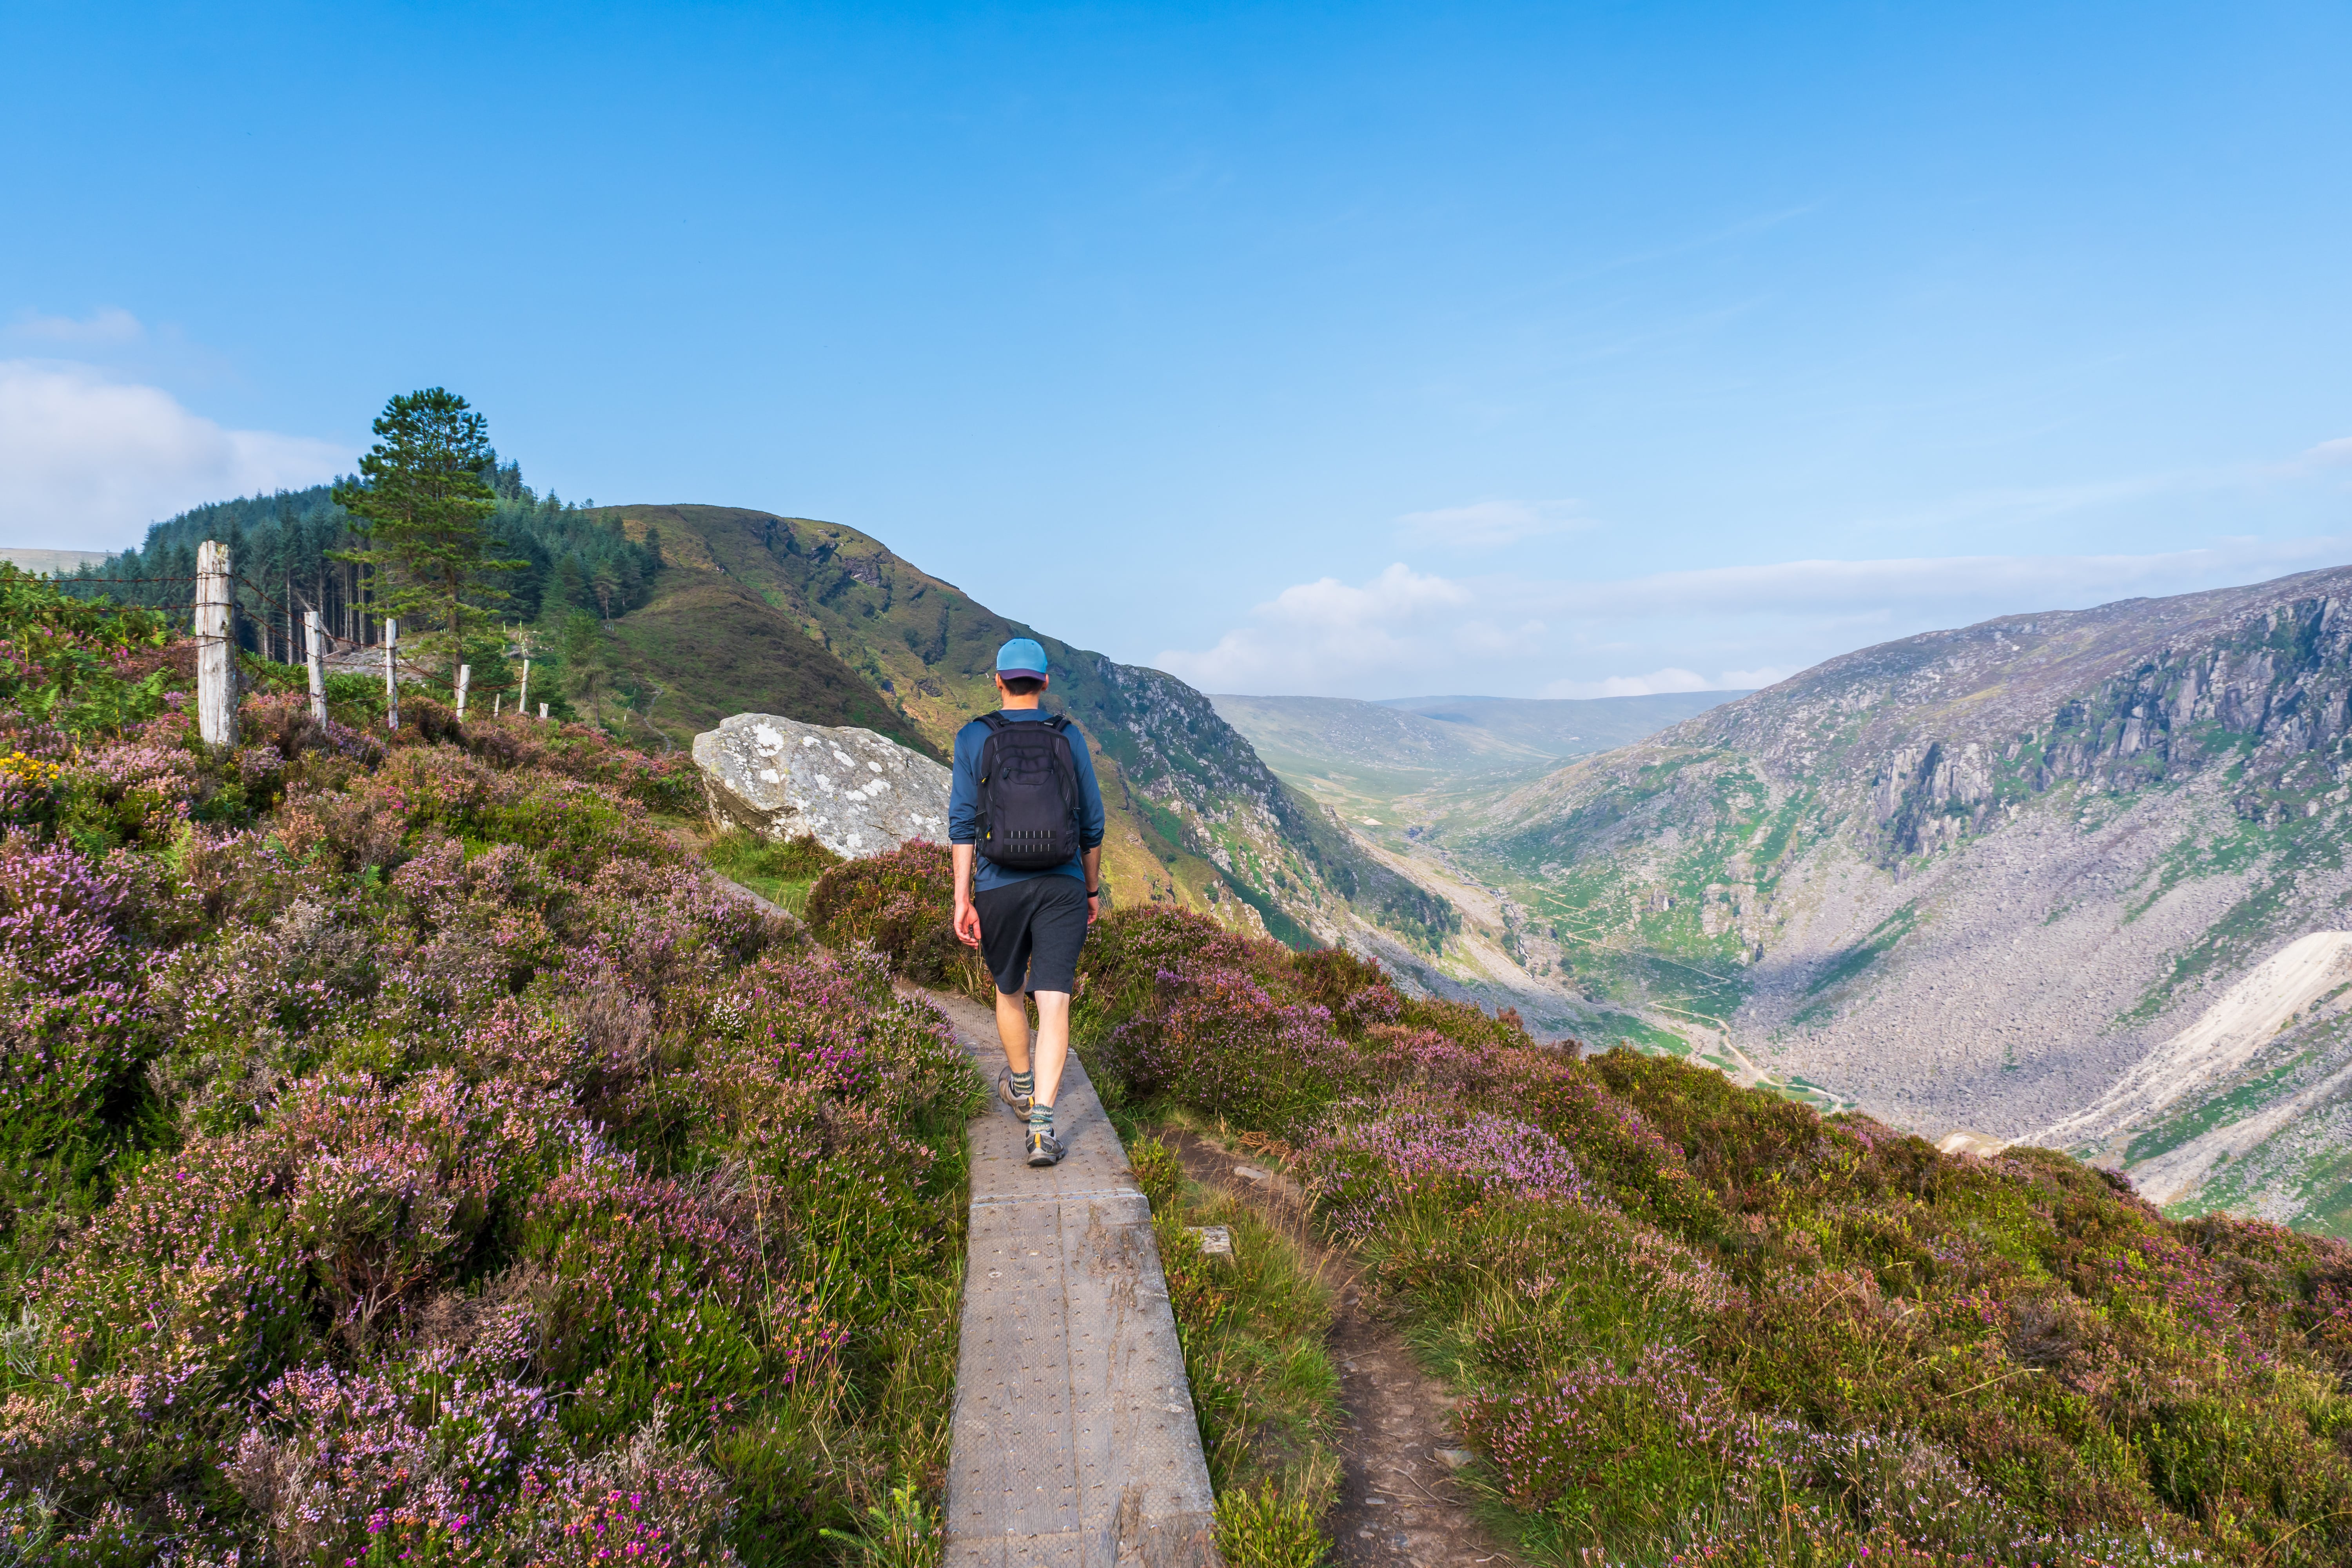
point(22, 769)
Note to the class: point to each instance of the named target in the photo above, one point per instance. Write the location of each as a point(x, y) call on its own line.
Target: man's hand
point(967, 922)
point(1094, 908)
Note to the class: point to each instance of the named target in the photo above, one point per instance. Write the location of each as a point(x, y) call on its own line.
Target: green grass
point(782, 873)
point(1253, 1328)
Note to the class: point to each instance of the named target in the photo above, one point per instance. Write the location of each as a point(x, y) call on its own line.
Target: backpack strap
point(994, 722)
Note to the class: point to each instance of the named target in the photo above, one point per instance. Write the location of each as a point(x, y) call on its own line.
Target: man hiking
point(1025, 826)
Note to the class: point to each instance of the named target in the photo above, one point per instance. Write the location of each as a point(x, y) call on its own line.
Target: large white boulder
point(859, 793)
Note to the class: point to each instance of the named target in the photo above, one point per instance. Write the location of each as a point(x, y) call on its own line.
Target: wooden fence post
point(542, 712)
point(522, 702)
point(215, 649)
point(391, 674)
point(465, 678)
point(313, 633)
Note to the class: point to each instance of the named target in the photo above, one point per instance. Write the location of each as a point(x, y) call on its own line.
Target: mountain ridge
point(1198, 820)
point(1969, 877)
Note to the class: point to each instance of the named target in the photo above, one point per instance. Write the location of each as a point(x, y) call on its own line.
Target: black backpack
point(1028, 794)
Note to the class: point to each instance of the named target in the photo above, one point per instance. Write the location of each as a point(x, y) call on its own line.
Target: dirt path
point(1399, 1504)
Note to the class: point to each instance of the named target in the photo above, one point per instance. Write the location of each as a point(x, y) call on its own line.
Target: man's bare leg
point(1052, 1039)
point(1012, 1030)
point(1053, 1042)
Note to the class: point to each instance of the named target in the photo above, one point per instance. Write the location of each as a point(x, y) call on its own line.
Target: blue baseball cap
point(1022, 655)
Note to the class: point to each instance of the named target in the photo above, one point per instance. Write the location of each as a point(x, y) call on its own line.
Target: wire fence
point(277, 606)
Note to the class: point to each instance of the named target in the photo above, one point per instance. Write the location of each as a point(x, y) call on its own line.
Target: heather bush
point(1614, 1450)
point(410, 1155)
point(1667, 1296)
point(900, 904)
point(71, 664)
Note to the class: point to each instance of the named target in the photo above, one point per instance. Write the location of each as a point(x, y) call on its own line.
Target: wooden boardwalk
point(1073, 1443)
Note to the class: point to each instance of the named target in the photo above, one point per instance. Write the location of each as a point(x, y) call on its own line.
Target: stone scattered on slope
point(2224, 1038)
point(859, 793)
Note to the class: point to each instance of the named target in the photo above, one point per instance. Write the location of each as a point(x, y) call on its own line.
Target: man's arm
point(963, 832)
point(967, 918)
point(1091, 826)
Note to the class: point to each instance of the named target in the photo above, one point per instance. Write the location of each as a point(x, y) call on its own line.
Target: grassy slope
point(813, 594)
point(742, 586)
point(717, 651)
point(410, 1155)
point(1698, 1323)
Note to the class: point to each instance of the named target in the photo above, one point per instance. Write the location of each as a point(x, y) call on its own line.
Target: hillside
point(1341, 749)
point(413, 1155)
point(1563, 726)
point(1391, 771)
point(408, 1154)
point(1338, 739)
point(752, 611)
point(1685, 1322)
point(1970, 878)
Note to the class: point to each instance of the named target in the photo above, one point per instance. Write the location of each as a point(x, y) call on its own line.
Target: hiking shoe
point(1045, 1149)
point(1019, 1102)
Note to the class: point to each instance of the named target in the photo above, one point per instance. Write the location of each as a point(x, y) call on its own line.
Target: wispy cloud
point(107, 325)
point(87, 460)
point(1405, 630)
point(1650, 685)
point(1326, 633)
point(2016, 584)
point(1488, 524)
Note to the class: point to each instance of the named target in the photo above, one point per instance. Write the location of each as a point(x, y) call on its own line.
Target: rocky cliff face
point(1970, 878)
point(1956, 728)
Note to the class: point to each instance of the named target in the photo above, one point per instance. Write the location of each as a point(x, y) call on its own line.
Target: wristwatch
point(1094, 892)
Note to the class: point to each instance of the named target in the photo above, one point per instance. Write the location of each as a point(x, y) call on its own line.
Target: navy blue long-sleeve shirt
point(963, 803)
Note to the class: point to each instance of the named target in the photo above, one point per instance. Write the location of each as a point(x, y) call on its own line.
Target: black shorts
point(1034, 928)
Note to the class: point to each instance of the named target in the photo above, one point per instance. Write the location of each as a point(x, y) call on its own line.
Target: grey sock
point(1041, 1117)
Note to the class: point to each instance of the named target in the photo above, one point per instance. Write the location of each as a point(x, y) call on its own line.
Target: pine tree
point(419, 506)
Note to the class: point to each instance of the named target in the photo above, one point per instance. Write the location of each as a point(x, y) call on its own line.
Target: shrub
point(1261, 1527)
point(899, 903)
point(410, 1156)
point(1667, 1293)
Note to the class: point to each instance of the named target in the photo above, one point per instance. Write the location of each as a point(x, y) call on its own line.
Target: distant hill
point(2022, 878)
point(53, 561)
point(1407, 744)
point(751, 611)
point(1311, 736)
point(1565, 726)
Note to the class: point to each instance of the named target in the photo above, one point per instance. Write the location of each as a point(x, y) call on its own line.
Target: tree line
point(437, 531)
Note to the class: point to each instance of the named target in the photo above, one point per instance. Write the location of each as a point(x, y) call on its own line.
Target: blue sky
point(1362, 350)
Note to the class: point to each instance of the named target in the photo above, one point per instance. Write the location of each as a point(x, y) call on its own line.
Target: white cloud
point(1316, 635)
point(2331, 452)
point(87, 461)
point(1407, 632)
point(2016, 584)
point(1650, 685)
point(1488, 524)
point(1756, 679)
point(108, 324)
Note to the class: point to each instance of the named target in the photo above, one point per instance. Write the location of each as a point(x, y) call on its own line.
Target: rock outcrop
point(858, 791)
